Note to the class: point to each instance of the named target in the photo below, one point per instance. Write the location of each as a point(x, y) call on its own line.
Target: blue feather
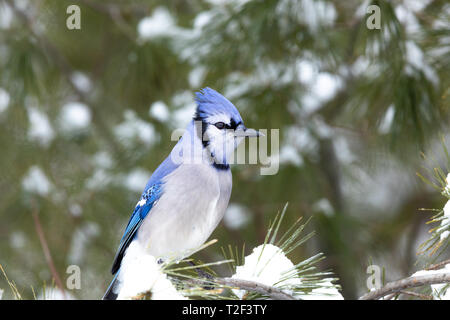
point(150, 195)
point(210, 102)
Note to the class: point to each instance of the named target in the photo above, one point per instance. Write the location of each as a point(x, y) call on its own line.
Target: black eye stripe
point(221, 125)
point(233, 124)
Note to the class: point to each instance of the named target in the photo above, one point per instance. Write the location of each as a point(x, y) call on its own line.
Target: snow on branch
point(265, 273)
point(421, 278)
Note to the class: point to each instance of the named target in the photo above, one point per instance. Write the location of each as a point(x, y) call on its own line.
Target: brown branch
point(247, 285)
point(48, 256)
point(418, 295)
point(272, 292)
point(438, 265)
point(410, 282)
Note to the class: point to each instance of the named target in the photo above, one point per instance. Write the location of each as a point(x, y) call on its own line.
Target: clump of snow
point(445, 223)
point(386, 122)
point(267, 73)
point(440, 291)
point(378, 190)
point(140, 273)
point(306, 70)
point(318, 13)
point(236, 216)
point(24, 5)
point(40, 129)
point(268, 264)
point(159, 111)
point(196, 76)
point(360, 66)
point(81, 81)
point(202, 19)
point(321, 128)
point(326, 86)
point(224, 2)
point(313, 13)
point(342, 150)
point(136, 179)
point(324, 205)
point(75, 210)
point(302, 139)
point(134, 128)
point(4, 100)
point(444, 235)
point(407, 18)
point(102, 159)
point(447, 187)
point(17, 239)
point(184, 102)
point(99, 180)
point(80, 239)
point(289, 154)
point(35, 181)
point(6, 16)
point(322, 86)
point(417, 60)
point(326, 291)
point(416, 5)
point(1, 293)
point(182, 98)
point(75, 116)
point(362, 9)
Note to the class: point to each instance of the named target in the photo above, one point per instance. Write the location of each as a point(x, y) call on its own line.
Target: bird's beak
point(242, 131)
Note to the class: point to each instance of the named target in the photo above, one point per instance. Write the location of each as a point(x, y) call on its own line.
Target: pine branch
point(418, 295)
point(438, 265)
point(253, 286)
point(410, 282)
point(66, 71)
point(257, 287)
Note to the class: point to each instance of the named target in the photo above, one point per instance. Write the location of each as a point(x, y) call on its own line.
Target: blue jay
point(187, 195)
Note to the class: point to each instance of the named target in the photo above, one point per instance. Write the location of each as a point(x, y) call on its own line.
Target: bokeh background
point(86, 116)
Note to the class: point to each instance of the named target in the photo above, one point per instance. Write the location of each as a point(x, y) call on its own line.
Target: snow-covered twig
point(257, 287)
point(438, 265)
point(415, 294)
point(410, 282)
point(247, 285)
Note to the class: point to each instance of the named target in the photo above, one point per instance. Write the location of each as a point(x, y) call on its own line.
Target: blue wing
point(151, 194)
point(148, 199)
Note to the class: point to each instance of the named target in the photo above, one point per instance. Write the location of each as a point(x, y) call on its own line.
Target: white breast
point(194, 201)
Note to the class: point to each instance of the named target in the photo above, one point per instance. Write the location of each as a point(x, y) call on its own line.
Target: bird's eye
point(220, 125)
